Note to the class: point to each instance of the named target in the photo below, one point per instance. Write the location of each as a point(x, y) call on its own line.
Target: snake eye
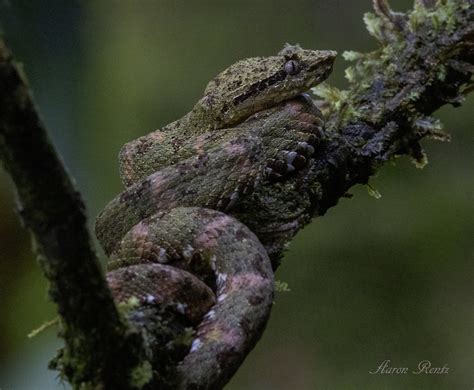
point(292, 67)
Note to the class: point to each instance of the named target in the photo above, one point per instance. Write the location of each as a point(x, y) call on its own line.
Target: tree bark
point(100, 347)
point(425, 60)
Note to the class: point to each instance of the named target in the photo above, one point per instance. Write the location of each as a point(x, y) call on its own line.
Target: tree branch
point(95, 335)
point(425, 60)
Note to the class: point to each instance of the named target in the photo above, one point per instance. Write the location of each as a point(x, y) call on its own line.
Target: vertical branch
point(100, 349)
point(425, 60)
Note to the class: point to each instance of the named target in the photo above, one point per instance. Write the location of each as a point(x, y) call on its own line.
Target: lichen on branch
point(100, 348)
point(425, 60)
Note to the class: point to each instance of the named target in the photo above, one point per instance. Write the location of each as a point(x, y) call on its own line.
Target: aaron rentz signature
point(424, 367)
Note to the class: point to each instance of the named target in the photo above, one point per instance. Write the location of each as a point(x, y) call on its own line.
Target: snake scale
point(173, 236)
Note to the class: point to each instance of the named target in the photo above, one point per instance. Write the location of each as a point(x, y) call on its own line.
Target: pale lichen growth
point(398, 78)
point(374, 25)
point(281, 286)
point(125, 307)
point(196, 344)
point(373, 192)
point(141, 375)
point(420, 163)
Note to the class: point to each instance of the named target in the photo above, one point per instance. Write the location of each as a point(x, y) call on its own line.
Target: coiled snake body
point(173, 236)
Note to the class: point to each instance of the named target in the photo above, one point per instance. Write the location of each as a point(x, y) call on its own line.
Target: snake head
point(258, 83)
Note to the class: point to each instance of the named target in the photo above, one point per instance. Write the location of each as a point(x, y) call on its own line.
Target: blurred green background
point(372, 280)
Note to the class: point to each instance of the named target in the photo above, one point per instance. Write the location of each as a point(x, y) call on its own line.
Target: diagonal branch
point(425, 60)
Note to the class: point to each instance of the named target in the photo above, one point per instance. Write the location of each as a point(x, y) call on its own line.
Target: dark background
point(372, 280)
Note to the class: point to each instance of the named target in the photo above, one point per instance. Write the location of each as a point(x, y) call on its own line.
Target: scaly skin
point(246, 87)
point(173, 227)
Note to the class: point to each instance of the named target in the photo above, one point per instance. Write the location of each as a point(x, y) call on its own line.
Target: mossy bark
point(100, 349)
point(425, 60)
